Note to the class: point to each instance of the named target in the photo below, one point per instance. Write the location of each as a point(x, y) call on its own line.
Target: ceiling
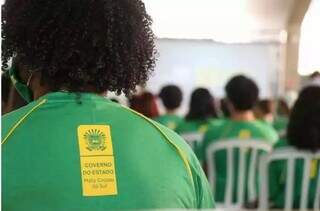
point(223, 20)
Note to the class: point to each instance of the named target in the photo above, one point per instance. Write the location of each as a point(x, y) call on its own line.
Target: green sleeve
point(202, 188)
point(269, 133)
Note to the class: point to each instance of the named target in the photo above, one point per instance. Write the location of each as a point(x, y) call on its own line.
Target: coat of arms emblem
point(95, 140)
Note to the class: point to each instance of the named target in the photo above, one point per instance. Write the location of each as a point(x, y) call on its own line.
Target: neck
point(41, 92)
point(243, 116)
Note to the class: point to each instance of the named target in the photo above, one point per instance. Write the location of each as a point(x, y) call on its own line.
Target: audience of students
point(171, 97)
point(303, 133)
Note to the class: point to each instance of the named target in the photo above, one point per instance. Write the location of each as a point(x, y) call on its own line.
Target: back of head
point(201, 105)
point(171, 97)
point(145, 104)
point(242, 93)
point(304, 124)
point(80, 45)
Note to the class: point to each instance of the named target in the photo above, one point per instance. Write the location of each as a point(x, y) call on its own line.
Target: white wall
point(194, 63)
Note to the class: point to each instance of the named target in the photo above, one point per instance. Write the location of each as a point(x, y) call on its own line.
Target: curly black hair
point(304, 124)
point(75, 44)
point(202, 106)
point(171, 96)
point(242, 92)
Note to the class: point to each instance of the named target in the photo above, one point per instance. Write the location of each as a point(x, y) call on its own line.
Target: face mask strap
point(29, 79)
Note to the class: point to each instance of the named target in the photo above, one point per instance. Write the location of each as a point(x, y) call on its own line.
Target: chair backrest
point(243, 146)
point(290, 155)
point(192, 138)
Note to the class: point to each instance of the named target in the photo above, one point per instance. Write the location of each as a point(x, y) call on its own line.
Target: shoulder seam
point(17, 124)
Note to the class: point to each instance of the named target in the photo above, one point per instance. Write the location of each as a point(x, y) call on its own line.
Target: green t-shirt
point(190, 126)
point(280, 125)
point(233, 129)
point(170, 120)
point(277, 181)
point(127, 160)
point(194, 126)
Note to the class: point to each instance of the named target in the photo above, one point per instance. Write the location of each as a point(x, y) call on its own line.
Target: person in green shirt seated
point(70, 148)
point(242, 95)
point(171, 97)
point(201, 113)
point(304, 134)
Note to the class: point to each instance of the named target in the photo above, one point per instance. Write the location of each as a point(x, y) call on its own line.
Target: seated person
point(280, 122)
point(201, 113)
point(264, 111)
point(171, 97)
point(242, 95)
point(71, 148)
point(145, 103)
point(304, 134)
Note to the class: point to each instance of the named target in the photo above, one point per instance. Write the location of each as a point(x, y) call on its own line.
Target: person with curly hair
point(171, 97)
point(303, 133)
point(70, 148)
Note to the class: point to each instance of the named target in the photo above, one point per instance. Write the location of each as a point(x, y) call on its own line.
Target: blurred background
point(202, 43)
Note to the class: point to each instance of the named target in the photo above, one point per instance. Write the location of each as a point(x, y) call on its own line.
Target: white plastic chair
point(254, 146)
point(192, 138)
point(290, 155)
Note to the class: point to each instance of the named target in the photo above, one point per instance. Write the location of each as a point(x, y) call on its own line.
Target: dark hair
point(76, 44)
point(265, 106)
point(304, 124)
point(171, 96)
point(201, 105)
point(283, 108)
point(242, 92)
point(224, 108)
point(315, 74)
point(145, 104)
